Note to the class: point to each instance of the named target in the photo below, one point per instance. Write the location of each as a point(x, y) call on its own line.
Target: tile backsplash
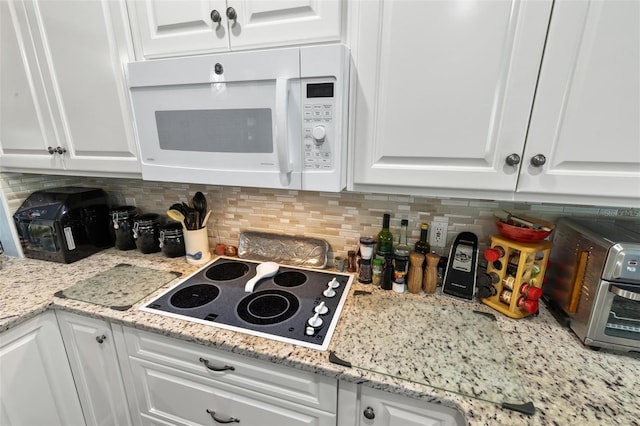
point(338, 218)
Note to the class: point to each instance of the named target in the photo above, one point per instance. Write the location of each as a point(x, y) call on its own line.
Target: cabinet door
point(386, 409)
point(585, 121)
point(173, 28)
point(26, 124)
point(262, 23)
point(83, 45)
point(94, 363)
point(36, 385)
point(443, 92)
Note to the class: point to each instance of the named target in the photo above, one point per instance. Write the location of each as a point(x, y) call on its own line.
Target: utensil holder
point(196, 243)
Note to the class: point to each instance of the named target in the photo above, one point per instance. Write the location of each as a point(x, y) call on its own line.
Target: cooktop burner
point(299, 306)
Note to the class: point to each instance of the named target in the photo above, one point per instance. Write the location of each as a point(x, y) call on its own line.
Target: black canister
point(172, 240)
point(122, 220)
point(146, 232)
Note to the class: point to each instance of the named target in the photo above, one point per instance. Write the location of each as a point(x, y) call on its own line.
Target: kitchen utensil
point(200, 204)
point(430, 280)
point(525, 235)
point(506, 217)
point(264, 270)
point(415, 272)
point(193, 220)
point(460, 276)
point(204, 221)
point(365, 274)
point(177, 216)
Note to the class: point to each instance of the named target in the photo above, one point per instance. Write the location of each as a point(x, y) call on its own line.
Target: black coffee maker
point(64, 224)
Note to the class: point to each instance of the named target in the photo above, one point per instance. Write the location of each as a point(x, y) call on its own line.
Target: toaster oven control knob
point(329, 292)
point(321, 309)
point(319, 133)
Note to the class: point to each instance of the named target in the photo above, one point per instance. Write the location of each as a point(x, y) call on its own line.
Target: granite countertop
point(568, 383)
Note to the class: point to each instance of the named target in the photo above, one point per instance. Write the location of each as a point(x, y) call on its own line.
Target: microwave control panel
point(318, 129)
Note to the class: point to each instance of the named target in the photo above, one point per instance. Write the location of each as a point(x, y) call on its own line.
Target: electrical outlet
point(438, 234)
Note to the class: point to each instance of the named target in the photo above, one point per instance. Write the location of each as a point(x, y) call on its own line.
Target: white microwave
point(269, 118)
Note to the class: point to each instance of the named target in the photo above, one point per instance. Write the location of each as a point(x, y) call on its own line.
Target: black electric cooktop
point(299, 306)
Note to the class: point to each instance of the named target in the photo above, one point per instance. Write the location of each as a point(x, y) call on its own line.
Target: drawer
point(312, 390)
point(165, 394)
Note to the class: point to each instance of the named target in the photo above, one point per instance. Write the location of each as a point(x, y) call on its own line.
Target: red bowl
point(523, 234)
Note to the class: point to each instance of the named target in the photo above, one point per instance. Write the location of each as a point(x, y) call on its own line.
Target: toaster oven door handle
point(282, 136)
point(626, 294)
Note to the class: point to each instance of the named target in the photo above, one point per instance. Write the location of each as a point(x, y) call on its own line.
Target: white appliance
point(270, 118)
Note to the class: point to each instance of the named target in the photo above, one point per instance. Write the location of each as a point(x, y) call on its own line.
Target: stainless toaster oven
point(593, 282)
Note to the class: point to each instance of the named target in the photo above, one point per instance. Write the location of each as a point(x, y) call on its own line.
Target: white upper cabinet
point(163, 28)
point(447, 101)
point(586, 119)
point(63, 87)
point(443, 92)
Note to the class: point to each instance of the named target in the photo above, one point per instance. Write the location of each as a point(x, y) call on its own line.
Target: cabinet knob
point(215, 16)
point(369, 414)
point(61, 150)
point(538, 160)
point(51, 150)
point(219, 420)
point(512, 159)
point(231, 13)
point(101, 339)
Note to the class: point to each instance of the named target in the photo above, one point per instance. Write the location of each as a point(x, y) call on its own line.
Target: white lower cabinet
point(36, 385)
point(362, 406)
point(180, 383)
point(92, 354)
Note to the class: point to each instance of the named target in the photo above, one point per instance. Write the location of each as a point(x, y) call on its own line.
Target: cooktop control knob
point(313, 325)
point(319, 133)
point(334, 283)
point(329, 292)
point(321, 309)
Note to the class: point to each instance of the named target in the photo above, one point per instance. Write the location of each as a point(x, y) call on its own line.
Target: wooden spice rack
point(528, 265)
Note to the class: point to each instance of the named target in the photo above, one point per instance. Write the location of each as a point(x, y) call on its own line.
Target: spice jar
point(172, 240)
point(122, 219)
point(146, 232)
point(377, 271)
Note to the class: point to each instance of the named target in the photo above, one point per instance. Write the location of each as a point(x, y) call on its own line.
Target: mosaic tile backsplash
point(338, 218)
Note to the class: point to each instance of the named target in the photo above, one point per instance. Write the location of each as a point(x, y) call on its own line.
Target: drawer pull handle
point(212, 368)
point(228, 420)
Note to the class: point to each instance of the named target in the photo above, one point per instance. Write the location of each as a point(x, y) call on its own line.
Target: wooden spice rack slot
point(521, 263)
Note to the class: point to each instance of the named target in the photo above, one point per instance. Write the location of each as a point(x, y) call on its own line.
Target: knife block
point(521, 263)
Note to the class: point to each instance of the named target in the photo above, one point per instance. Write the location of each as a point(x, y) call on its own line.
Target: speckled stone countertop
point(568, 383)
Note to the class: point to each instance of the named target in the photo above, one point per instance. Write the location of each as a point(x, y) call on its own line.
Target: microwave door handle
point(626, 294)
point(282, 139)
